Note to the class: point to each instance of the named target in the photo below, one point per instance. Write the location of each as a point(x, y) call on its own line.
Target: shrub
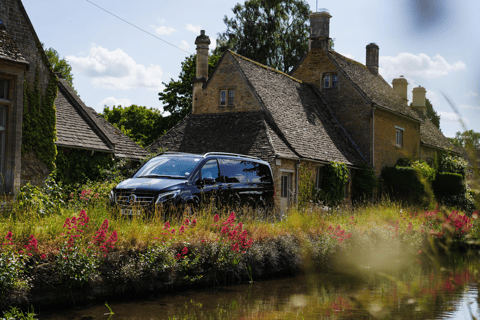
point(448, 184)
point(403, 182)
point(364, 183)
point(453, 164)
point(334, 179)
point(428, 173)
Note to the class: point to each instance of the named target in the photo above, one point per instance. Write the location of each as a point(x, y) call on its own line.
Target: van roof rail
point(175, 152)
point(230, 154)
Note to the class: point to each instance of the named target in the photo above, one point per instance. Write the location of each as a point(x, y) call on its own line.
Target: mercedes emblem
point(133, 199)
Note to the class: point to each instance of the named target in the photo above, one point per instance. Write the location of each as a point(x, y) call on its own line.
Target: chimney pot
point(418, 99)
point(201, 74)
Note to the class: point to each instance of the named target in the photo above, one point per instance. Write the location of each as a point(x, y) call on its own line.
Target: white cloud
point(184, 45)
point(164, 30)
point(468, 106)
point(471, 94)
point(116, 70)
point(421, 65)
point(194, 29)
point(451, 117)
point(213, 43)
point(112, 101)
point(160, 20)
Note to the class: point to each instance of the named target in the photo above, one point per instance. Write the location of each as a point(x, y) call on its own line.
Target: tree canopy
point(467, 138)
point(271, 32)
point(60, 65)
point(432, 114)
point(177, 95)
point(141, 124)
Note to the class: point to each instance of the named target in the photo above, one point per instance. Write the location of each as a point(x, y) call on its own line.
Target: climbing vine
point(39, 120)
point(334, 180)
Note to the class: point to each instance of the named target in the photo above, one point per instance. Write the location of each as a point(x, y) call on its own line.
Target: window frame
point(231, 99)
point(318, 177)
point(399, 144)
point(6, 89)
point(328, 80)
point(224, 102)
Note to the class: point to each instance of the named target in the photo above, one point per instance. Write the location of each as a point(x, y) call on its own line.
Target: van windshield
point(169, 167)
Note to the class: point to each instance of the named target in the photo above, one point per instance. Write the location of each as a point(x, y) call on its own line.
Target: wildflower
point(184, 251)
point(173, 231)
point(182, 230)
point(194, 222)
point(235, 247)
point(178, 256)
point(9, 236)
point(167, 226)
point(216, 218)
point(43, 256)
point(186, 222)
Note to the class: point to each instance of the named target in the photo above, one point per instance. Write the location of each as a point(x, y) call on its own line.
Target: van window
point(210, 170)
point(257, 172)
point(233, 170)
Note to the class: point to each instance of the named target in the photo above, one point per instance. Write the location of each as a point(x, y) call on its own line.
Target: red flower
point(216, 218)
point(167, 226)
point(182, 230)
point(43, 256)
point(186, 222)
point(184, 251)
point(235, 247)
point(194, 222)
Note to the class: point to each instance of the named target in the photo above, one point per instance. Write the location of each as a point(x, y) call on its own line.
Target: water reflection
point(419, 292)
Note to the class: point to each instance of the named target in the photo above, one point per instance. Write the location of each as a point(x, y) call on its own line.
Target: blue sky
point(433, 43)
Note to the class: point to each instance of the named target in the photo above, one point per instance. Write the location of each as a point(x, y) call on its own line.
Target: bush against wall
point(334, 180)
point(453, 164)
point(364, 183)
point(447, 183)
point(403, 182)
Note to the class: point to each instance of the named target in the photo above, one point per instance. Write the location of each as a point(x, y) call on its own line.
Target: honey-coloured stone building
point(329, 108)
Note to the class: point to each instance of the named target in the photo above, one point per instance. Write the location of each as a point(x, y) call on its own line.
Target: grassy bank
point(81, 244)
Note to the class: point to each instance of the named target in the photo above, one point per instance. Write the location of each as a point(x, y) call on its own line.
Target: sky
point(433, 43)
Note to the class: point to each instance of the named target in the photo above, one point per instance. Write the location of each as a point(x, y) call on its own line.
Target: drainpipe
point(297, 172)
point(373, 135)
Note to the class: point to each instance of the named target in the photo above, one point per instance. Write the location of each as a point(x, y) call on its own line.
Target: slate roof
point(79, 126)
point(431, 136)
point(298, 115)
point(373, 87)
point(8, 48)
point(295, 123)
point(234, 132)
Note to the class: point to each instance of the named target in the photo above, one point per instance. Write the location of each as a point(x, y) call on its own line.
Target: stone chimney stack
point(201, 75)
point(419, 99)
point(372, 58)
point(319, 30)
point(400, 86)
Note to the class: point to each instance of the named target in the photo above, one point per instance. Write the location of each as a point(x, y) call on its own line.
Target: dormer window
point(330, 80)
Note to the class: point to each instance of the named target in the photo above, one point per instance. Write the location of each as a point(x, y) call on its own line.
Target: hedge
point(403, 182)
point(448, 184)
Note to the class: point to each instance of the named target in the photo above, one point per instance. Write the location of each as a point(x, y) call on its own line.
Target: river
point(420, 291)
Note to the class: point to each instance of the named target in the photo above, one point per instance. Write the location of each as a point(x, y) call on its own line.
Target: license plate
point(130, 212)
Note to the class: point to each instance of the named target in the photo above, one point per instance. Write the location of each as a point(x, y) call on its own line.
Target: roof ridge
point(347, 58)
point(264, 66)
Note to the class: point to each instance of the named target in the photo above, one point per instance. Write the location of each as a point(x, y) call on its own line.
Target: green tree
point(60, 65)
point(143, 125)
point(467, 138)
point(271, 32)
point(432, 114)
point(177, 95)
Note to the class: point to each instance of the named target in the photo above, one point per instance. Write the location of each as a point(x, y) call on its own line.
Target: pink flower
point(216, 218)
point(167, 226)
point(184, 251)
point(194, 222)
point(186, 222)
point(43, 256)
point(235, 247)
point(182, 230)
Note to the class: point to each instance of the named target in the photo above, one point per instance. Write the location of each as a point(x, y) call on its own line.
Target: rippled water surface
point(416, 293)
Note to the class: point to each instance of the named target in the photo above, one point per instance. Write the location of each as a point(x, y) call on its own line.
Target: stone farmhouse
point(329, 108)
point(40, 112)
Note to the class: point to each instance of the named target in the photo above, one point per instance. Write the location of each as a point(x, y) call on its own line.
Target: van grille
point(141, 199)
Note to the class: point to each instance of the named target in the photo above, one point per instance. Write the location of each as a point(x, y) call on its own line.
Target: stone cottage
point(329, 108)
point(34, 120)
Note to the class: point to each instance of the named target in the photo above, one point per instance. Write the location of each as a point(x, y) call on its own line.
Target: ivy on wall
point(39, 120)
point(78, 166)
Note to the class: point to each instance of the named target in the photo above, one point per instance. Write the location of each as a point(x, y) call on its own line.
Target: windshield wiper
point(161, 176)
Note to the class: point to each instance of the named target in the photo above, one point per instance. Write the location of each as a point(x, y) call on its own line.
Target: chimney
point(400, 86)
point(201, 75)
point(319, 30)
point(372, 58)
point(418, 98)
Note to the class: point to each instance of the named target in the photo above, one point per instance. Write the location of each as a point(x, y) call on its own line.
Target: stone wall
point(19, 27)
point(386, 151)
point(227, 76)
point(348, 106)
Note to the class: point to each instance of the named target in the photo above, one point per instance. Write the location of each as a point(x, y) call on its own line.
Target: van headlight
point(111, 197)
point(167, 196)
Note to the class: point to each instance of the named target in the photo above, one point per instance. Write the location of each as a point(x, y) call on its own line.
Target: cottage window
point(3, 89)
point(318, 178)
point(399, 137)
point(231, 97)
point(330, 80)
point(223, 97)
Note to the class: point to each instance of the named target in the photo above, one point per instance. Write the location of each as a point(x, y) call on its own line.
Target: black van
point(173, 180)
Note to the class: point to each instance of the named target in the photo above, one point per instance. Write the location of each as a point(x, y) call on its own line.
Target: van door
point(233, 178)
point(286, 191)
point(210, 179)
